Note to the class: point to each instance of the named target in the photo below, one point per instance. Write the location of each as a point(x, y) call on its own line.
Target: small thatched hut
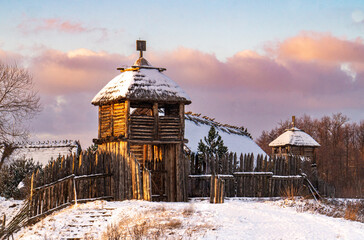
point(294, 142)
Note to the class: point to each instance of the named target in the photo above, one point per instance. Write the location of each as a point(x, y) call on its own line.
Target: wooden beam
point(182, 119)
point(127, 119)
point(156, 121)
point(99, 129)
point(112, 119)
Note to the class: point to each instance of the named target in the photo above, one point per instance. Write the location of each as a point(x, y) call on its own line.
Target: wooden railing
point(169, 128)
point(142, 127)
point(66, 191)
point(145, 127)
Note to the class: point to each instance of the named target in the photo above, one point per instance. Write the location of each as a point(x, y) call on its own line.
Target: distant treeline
point(340, 159)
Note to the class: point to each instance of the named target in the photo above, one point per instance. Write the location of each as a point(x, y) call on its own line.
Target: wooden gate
point(158, 179)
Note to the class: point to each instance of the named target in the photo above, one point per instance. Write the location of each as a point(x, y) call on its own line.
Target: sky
point(245, 63)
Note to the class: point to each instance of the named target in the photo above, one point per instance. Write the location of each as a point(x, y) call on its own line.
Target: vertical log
point(182, 119)
point(179, 173)
point(217, 189)
point(4, 220)
point(31, 186)
point(100, 123)
point(147, 185)
point(127, 119)
point(258, 165)
point(212, 188)
point(222, 192)
point(156, 121)
point(74, 190)
point(241, 163)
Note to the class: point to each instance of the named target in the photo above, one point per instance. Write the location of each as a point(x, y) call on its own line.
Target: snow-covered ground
point(235, 219)
point(9, 207)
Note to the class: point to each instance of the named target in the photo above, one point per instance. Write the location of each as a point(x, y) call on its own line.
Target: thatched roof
point(294, 137)
point(43, 152)
point(236, 139)
point(145, 83)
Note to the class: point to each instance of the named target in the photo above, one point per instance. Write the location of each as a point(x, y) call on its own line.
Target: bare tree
point(18, 104)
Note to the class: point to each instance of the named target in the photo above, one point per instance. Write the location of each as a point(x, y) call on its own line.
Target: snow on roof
point(236, 139)
point(294, 136)
point(43, 152)
point(145, 84)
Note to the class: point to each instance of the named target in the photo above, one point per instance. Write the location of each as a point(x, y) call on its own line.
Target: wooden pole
point(74, 190)
point(31, 187)
point(222, 184)
point(212, 188)
point(31, 193)
point(156, 121)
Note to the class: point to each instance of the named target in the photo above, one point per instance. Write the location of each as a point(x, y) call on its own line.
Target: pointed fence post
point(31, 195)
point(31, 187)
point(74, 189)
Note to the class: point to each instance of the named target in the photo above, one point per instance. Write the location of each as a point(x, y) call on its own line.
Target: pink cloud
point(56, 72)
point(309, 46)
point(246, 72)
point(36, 25)
point(250, 89)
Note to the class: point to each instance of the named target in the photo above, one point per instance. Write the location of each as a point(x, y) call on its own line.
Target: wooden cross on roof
point(141, 45)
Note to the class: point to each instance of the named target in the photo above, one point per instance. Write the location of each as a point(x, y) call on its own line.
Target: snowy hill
point(235, 219)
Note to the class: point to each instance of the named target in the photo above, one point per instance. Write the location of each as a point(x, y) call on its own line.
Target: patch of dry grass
point(188, 211)
point(290, 192)
point(352, 211)
point(349, 209)
point(158, 223)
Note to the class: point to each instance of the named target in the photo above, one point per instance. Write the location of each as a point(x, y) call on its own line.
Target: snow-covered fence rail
point(247, 176)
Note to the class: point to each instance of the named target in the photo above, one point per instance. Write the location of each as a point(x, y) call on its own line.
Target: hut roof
point(236, 139)
point(147, 83)
point(296, 137)
point(43, 152)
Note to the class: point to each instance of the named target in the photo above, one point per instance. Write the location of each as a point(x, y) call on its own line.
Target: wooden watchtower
point(294, 141)
point(141, 112)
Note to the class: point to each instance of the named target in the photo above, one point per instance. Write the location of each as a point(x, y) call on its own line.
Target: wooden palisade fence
point(72, 179)
point(217, 189)
point(245, 177)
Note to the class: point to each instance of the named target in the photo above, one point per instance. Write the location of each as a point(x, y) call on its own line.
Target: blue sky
point(219, 27)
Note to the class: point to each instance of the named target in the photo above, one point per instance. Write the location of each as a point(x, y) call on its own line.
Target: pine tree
point(213, 145)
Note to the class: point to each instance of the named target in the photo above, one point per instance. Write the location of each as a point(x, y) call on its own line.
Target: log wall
point(112, 120)
point(247, 176)
point(115, 121)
